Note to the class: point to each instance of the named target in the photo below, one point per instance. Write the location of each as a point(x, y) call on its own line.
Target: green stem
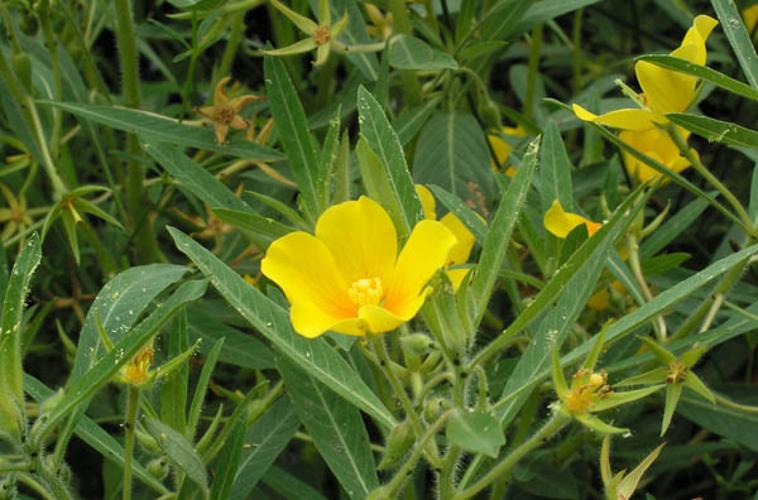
point(52, 48)
point(550, 429)
point(534, 63)
point(403, 24)
point(694, 160)
point(232, 44)
point(633, 247)
point(132, 408)
point(397, 387)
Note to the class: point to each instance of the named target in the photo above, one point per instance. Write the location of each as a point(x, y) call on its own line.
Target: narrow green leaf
point(160, 128)
point(739, 38)
point(293, 132)
point(727, 422)
point(475, 431)
point(555, 170)
point(673, 392)
point(201, 388)
point(180, 451)
point(266, 438)
point(336, 427)
point(498, 237)
point(472, 220)
point(412, 120)
point(409, 52)
point(716, 130)
point(383, 141)
point(290, 486)
point(452, 152)
point(228, 462)
point(264, 229)
point(192, 176)
point(315, 356)
point(12, 418)
point(174, 388)
point(707, 74)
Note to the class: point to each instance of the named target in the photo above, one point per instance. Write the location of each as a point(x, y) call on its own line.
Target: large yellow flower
point(460, 252)
point(663, 91)
point(349, 278)
point(657, 144)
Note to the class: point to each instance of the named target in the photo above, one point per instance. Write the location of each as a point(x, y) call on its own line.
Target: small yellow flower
point(225, 112)
point(137, 371)
point(459, 254)
point(16, 218)
point(586, 387)
point(349, 277)
point(560, 223)
point(502, 149)
point(663, 91)
point(657, 144)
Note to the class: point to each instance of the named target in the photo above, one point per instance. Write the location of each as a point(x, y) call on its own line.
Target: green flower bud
point(417, 343)
point(490, 113)
point(434, 407)
point(398, 442)
point(158, 468)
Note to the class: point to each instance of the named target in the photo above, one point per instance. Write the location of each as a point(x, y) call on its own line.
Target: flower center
point(226, 115)
point(366, 291)
point(322, 35)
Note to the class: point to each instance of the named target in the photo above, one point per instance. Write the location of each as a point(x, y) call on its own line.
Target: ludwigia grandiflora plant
point(332, 249)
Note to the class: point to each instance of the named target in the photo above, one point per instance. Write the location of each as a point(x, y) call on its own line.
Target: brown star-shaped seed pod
point(225, 112)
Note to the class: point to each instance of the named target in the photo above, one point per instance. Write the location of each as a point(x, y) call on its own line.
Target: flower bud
point(417, 343)
point(158, 468)
point(398, 442)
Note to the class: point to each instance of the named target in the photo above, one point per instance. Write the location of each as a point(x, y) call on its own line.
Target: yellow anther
point(366, 291)
point(322, 35)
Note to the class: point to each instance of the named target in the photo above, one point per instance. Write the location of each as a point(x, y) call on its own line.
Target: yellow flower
point(460, 252)
point(560, 223)
point(137, 371)
point(663, 91)
point(750, 16)
point(225, 112)
point(657, 144)
point(502, 149)
point(349, 278)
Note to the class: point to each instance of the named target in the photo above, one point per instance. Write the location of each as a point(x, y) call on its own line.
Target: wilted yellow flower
point(663, 90)
point(137, 371)
point(459, 254)
point(502, 149)
point(560, 223)
point(349, 277)
point(381, 24)
point(657, 144)
point(225, 112)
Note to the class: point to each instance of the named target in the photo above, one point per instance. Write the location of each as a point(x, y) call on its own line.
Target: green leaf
point(293, 132)
point(315, 356)
point(12, 419)
point(716, 130)
point(739, 38)
point(383, 141)
point(157, 128)
point(730, 423)
point(228, 462)
point(180, 451)
point(672, 228)
point(452, 153)
point(555, 170)
point(673, 393)
point(411, 120)
point(239, 349)
point(263, 229)
point(336, 427)
point(408, 52)
point(498, 237)
point(545, 10)
point(95, 436)
point(174, 389)
point(201, 388)
point(192, 176)
point(267, 437)
point(289, 486)
point(709, 75)
point(475, 431)
point(472, 220)
point(108, 366)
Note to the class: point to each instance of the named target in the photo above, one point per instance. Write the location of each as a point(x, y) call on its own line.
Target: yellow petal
point(560, 223)
point(702, 26)
point(665, 91)
point(456, 277)
point(510, 171)
point(379, 320)
point(501, 149)
point(657, 144)
point(626, 119)
point(361, 237)
point(750, 16)
point(306, 272)
point(425, 252)
point(427, 202)
point(460, 252)
point(600, 300)
point(219, 94)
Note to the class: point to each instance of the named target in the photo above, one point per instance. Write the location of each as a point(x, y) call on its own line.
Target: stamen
point(366, 291)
